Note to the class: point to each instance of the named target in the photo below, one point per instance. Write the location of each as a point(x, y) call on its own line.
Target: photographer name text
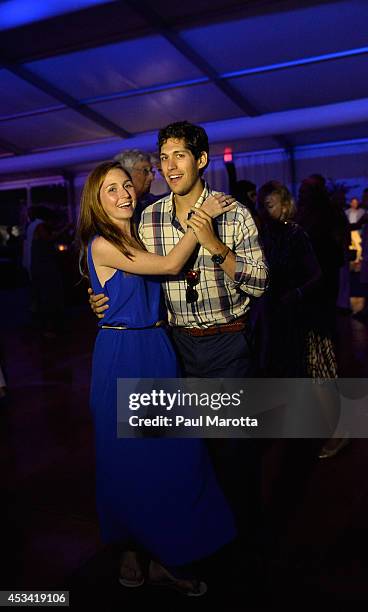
point(199, 421)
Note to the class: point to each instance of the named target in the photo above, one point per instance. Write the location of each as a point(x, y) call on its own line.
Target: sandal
point(131, 575)
point(189, 588)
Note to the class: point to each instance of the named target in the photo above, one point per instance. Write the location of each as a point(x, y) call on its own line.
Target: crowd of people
point(251, 281)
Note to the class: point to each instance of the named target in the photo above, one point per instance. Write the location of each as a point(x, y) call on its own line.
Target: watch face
point(217, 259)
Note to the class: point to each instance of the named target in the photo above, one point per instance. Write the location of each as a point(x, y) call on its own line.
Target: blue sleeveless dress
point(160, 493)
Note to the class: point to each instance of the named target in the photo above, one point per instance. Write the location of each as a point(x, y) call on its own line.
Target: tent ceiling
point(118, 69)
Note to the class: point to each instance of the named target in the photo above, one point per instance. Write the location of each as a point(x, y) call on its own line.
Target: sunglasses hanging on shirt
point(192, 279)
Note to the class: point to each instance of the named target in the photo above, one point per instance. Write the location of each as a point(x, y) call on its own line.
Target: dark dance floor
point(49, 531)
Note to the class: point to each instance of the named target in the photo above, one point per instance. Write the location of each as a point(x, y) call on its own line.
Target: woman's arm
point(107, 255)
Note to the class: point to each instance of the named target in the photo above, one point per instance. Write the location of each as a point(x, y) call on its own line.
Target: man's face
point(142, 175)
point(179, 166)
point(252, 195)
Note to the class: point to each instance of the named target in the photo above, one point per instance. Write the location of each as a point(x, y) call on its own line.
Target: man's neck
point(184, 203)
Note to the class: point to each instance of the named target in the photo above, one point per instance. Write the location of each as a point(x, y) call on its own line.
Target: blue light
point(228, 75)
point(15, 13)
point(146, 90)
point(294, 63)
point(332, 143)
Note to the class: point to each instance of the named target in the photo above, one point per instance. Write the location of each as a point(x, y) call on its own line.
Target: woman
point(325, 225)
point(159, 494)
point(289, 348)
point(294, 274)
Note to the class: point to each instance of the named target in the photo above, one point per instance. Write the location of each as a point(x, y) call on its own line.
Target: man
point(138, 164)
point(208, 303)
point(208, 307)
point(246, 193)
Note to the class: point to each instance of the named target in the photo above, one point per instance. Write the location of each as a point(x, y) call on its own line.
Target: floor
point(50, 537)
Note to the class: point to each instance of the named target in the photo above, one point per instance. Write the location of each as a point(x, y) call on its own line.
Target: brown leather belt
point(226, 328)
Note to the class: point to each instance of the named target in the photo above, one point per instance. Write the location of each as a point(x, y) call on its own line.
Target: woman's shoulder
point(99, 245)
point(294, 227)
point(297, 231)
point(298, 238)
point(99, 248)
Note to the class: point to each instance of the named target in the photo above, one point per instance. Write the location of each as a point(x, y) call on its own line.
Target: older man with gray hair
point(138, 164)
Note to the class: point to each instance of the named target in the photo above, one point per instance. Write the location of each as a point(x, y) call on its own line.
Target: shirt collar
point(198, 204)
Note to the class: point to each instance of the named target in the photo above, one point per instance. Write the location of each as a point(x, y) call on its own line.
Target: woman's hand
point(98, 303)
point(218, 204)
point(201, 224)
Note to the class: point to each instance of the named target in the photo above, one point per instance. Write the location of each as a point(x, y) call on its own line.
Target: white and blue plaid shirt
point(220, 299)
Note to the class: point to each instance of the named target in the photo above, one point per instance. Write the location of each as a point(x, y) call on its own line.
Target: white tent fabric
point(95, 77)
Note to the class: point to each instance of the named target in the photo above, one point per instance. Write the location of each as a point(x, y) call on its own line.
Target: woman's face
point(117, 195)
point(274, 207)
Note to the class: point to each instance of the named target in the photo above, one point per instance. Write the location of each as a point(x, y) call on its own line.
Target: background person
point(41, 262)
point(139, 165)
point(294, 274)
point(354, 213)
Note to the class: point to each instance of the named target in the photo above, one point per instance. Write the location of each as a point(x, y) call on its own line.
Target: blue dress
point(160, 493)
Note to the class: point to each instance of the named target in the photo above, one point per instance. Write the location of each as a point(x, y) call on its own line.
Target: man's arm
point(251, 272)
point(245, 264)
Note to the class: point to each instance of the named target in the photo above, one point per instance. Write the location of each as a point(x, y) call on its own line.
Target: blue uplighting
point(332, 143)
point(229, 75)
point(294, 63)
point(146, 90)
point(15, 13)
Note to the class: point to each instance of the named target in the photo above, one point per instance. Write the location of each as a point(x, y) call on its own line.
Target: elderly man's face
point(142, 176)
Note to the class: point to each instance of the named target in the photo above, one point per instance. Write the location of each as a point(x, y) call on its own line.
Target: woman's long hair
point(93, 219)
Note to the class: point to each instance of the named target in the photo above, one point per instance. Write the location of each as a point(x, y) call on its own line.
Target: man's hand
point(201, 224)
point(218, 204)
point(98, 303)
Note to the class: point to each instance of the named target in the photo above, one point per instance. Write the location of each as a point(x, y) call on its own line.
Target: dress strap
point(91, 265)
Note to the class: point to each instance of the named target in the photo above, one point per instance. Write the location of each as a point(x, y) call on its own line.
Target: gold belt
point(125, 327)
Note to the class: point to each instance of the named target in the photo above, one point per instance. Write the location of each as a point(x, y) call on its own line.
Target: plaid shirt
point(220, 299)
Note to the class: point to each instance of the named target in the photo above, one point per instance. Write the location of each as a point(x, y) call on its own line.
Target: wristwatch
point(219, 259)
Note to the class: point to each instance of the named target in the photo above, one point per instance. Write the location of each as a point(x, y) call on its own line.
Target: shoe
point(327, 453)
point(130, 562)
point(198, 589)
point(133, 584)
point(164, 579)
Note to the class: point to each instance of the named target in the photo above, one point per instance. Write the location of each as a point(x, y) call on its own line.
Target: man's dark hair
point(318, 178)
point(195, 137)
point(241, 190)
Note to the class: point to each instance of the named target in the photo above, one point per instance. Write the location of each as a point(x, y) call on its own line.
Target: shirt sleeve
point(141, 228)
point(251, 272)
